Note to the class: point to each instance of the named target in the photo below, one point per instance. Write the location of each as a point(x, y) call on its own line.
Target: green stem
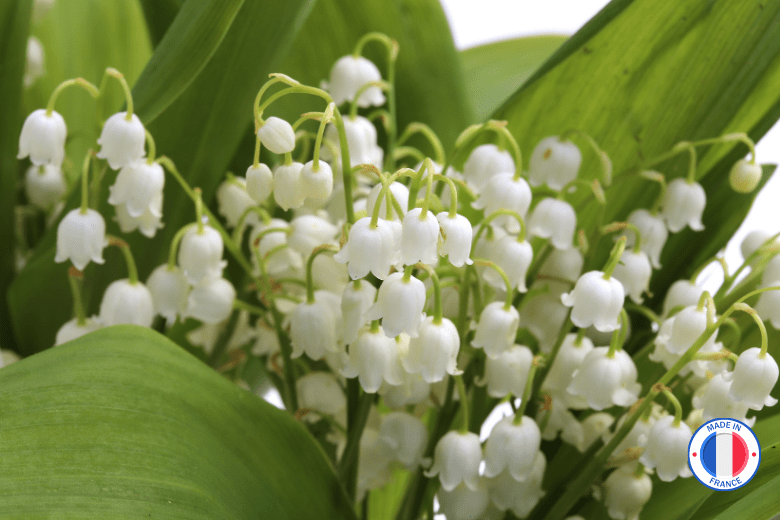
point(128, 94)
point(199, 210)
point(79, 82)
point(744, 307)
point(453, 194)
point(437, 306)
point(320, 132)
point(245, 306)
point(427, 164)
point(606, 164)
point(677, 408)
point(618, 335)
point(353, 106)
point(152, 148)
point(464, 403)
point(85, 182)
point(74, 275)
point(430, 135)
point(614, 257)
point(256, 159)
point(500, 212)
point(175, 246)
point(510, 292)
point(325, 248)
point(620, 226)
point(132, 271)
point(529, 386)
point(347, 467)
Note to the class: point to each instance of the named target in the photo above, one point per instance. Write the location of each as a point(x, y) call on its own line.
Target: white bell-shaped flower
point(317, 184)
point(259, 182)
point(689, 324)
point(434, 353)
point(520, 496)
point(484, 162)
point(419, 237)
point(320, 392)
point(512, 446)
point(374, 461)
point(634, 272)
point(514, 258)
point(626, 494)
point(348, 75)
point(591, 428)
point(81, 238)
point(399, 305)
point(496, 329)
point(653, 232)
point(288, 189)
point(569, 358)
point(753, 379)
point(744, 176)
point(503, 191)
point(456, 459)
point(543, 316)
point(125, 302)
point(284, 259)
point(122, 140)
point(137, 185)
point(170, 290)
point(43, 138)
point(147, 223)
point(564, 264)
point(771, 273)
point(683, 205)
point(637, 436)
point(398, 190)
point(211, 300)
point(34, 65)
point(714, 398)
point(595, 301)
point(507, 373)
point(200, 254)
point(44, 185)
point(753, 241)
point(681, 293)
point(606, 381)
point(557, 417)
point(406, 436)
point(457, 234)
point(369, 249)
point(310, 231)
point(361, 143)
point(768, 304)
point(277, 135)
point(554, 219)
point(554, 163)
point(71, 330)
point(355, 302)
point(666, 449)
point(463, 503)
point(373, 358)
point(412, 391)
point(233, 200)
point(314, 326)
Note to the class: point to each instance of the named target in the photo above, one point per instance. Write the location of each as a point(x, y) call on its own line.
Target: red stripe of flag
point(739, 454)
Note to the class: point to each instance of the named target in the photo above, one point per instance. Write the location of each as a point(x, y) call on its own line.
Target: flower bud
point(137, 186)
point(496, 329)
point(200, 254)
point(434, 353)
point(43, 138)
point(317, 184)
point(169, 289)
point(503, 191)
point(463, 503)
point(406, 436)
point(681, 293)
point(606, 381)
point(400, 305)
point(277, 135)
point(514, 258)
point(456, 459)
point(484, 162)
point(259, 182)
point(753, 378)
point(683, 205)
point(288, 189)
point(595, 301)
point(512, 446)
point(233, 200)
point(554, 162)
point(744, 176)
point(554, 219)
point(667, 449)
point(71, 330)
point(122, 141)
point(44, 185)
point(314, 326)
point(125, 302)
point(373, 357)
point(211, 300)
point(419, 237)
point(348, 75)
point(457, 233)
point(369, 249)
point(626, 494)
point(634, 272)
point(81, 238)
point(35, 60)
point(653, 232)
point(507, 373)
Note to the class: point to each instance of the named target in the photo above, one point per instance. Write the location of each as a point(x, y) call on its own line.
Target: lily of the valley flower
point(259, 182)
point(507, 373)
point(71, 330)
point(43, 138)
point(122, 140)
point(434, 353)
point(288, 189)
point(44, 185)
point(626, 493)
point(653, 234)
point(233, 200)
point(554, 163)
point(753, 378)
point(277, 135)
point(463, 503)
point(317, 184)
point(81, 238)
point(211, 300)
point(634, 272)
point(683, 205)
point(667, 449)
point(200, 254)
point(486, 161)
point(496, 329)
point(419, 237)
point(503, 191)
point(399, 305)
point(348, 75)
point(398, 190)
point(456, 459)
point(606, 381)
point(126, 302)
point(137, 186)
point(512, 446)
point(554, 219)
point(744, 176)
point(169, 289)
point(514, 258)
point(315, 327)
point(457, 233)
point(595, 301)
point(373, 358)
point(368, 249)
point(406, 436)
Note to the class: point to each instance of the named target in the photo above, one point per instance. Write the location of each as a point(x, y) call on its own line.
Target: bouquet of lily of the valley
point(467, 301)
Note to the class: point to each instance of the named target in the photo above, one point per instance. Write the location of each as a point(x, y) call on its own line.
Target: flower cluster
point(377, 279)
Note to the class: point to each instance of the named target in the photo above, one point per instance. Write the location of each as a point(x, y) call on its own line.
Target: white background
point(476, 22)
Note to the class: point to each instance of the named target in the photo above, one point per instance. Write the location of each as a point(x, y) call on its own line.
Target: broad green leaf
point(494, 71)
point(383, 503)
point(188, 45)
point(122, 423)
point(159, 16)
point(760, 504)
point(14, 27)
point(200, 131)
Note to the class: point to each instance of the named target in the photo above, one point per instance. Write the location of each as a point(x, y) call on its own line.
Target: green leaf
point(159, 16)
point(187, 47)
point(383, 503)
point(14, 27)
point(493, 72)
point(123, 423)
point(758, 505)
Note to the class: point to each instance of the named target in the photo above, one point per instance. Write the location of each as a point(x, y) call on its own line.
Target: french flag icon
point(724, 455)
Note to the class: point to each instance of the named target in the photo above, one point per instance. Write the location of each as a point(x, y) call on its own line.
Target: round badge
point(724, 454)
